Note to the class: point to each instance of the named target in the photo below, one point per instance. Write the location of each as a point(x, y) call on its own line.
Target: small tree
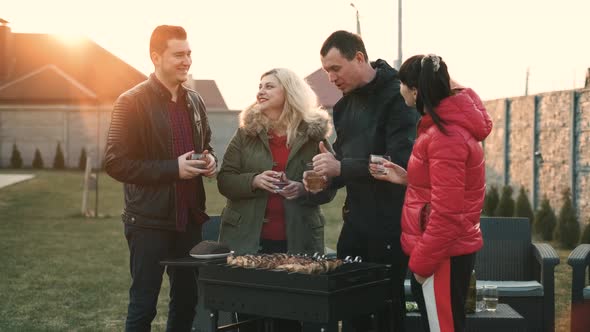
point(491, 201)
point(586, 234)
point(15, 159)
point(59, 161)
point(505, 207)
point(82, 161)
point(38, 160)
point(545, 220)
point(568, 230)
point(523, 207)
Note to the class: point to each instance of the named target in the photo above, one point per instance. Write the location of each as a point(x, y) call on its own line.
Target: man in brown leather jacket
point(155, 128)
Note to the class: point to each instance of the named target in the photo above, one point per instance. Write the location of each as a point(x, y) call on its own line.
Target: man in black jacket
point(371, 118)
point(155, 128)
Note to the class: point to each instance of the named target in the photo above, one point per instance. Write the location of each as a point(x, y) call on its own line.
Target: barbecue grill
point(321, 299)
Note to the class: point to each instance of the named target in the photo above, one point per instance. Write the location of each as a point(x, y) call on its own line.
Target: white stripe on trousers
point(430, 301)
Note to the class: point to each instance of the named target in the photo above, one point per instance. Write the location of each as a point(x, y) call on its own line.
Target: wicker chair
point(522, 270)
point(579, 259)
point(210, 229)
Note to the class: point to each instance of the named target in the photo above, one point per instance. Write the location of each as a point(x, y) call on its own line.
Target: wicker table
point(504, 319)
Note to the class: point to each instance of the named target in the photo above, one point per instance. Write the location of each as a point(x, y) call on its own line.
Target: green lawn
point(62, 272)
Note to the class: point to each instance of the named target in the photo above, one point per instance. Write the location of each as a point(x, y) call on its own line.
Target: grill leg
point(213, 320)
point(269, 325)
point(320, 327)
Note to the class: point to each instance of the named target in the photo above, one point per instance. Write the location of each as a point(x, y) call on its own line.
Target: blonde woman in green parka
point(277, 136)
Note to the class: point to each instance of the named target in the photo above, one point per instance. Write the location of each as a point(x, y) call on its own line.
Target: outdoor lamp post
point(398, 62)
point(358, 22)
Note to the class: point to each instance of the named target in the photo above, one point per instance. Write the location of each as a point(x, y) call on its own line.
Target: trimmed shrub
point(568, 230)
point(523, 207)
point(545, 220)
point(82, 161)
point(38, 160)
point(16, 161)
point(586, 234)
point(491, 201)
point(505, 207)
point(59, 161)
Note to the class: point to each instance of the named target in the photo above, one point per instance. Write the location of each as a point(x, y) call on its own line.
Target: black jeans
point(377, 249)
point(147, 247)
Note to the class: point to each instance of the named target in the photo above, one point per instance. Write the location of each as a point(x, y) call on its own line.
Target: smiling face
point(345, 74)
point(409, 94)
point(271, 96)
point(173, 64)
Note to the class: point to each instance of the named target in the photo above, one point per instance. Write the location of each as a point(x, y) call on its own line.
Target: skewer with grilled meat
point(285, 262)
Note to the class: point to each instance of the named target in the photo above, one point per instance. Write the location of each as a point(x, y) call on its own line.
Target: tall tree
point(545, 220)
point(491, 201)
point(82, 160)
point(568, 230)
point(59, 161)
point(16, 161)
point(38, 160)
point(505, 207)
point(523, 207)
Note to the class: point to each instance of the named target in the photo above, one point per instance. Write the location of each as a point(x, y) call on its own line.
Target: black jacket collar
point(384, 74)
point(162, 91)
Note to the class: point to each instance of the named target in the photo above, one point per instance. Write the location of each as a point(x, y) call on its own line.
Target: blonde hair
point(301, 103)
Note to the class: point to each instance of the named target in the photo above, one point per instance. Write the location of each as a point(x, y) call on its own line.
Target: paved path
point(8, 179)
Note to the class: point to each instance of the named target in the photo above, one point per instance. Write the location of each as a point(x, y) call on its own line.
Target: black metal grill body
point(350, 290)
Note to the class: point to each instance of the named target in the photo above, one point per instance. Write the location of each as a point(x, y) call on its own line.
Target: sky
point(487, 44)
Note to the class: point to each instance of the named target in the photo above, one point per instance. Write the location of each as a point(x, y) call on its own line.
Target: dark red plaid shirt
point(182, 142)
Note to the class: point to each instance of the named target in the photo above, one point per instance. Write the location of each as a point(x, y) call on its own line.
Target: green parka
point(247, 155)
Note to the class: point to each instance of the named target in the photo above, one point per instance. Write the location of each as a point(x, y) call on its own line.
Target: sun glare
point(69, 39)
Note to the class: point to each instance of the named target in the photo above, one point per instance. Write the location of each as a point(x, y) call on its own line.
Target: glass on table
point(480, 304)
point(490, 297)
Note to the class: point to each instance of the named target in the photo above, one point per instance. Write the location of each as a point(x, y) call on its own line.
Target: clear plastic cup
point(315, 182)
point(378, 160)
point(490, 297)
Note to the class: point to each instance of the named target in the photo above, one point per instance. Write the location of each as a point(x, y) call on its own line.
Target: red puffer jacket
point(446, 184)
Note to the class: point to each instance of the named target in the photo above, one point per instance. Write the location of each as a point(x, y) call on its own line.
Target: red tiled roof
point(328, 94)
point(83, 62)
point(47, 84)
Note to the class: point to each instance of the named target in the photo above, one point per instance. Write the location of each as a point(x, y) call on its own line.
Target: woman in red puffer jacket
point(445, 190)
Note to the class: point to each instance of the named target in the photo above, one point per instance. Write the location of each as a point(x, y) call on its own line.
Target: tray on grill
point(344, 276)
point(345, 292)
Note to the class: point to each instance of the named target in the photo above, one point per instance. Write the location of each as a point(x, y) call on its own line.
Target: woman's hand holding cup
point(394, 173)
point(267, 181)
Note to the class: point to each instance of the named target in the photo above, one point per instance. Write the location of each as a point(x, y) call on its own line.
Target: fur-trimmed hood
point(252, 121)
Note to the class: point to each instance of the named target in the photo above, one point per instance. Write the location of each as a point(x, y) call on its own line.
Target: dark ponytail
point(429, 75)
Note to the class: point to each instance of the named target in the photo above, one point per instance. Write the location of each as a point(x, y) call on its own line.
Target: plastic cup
point(480, 304)
point(490, 297)
point(378, 160)
point(201, 157)
point(315, 182)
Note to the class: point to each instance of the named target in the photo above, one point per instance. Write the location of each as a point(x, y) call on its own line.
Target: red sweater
point(274, 227)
